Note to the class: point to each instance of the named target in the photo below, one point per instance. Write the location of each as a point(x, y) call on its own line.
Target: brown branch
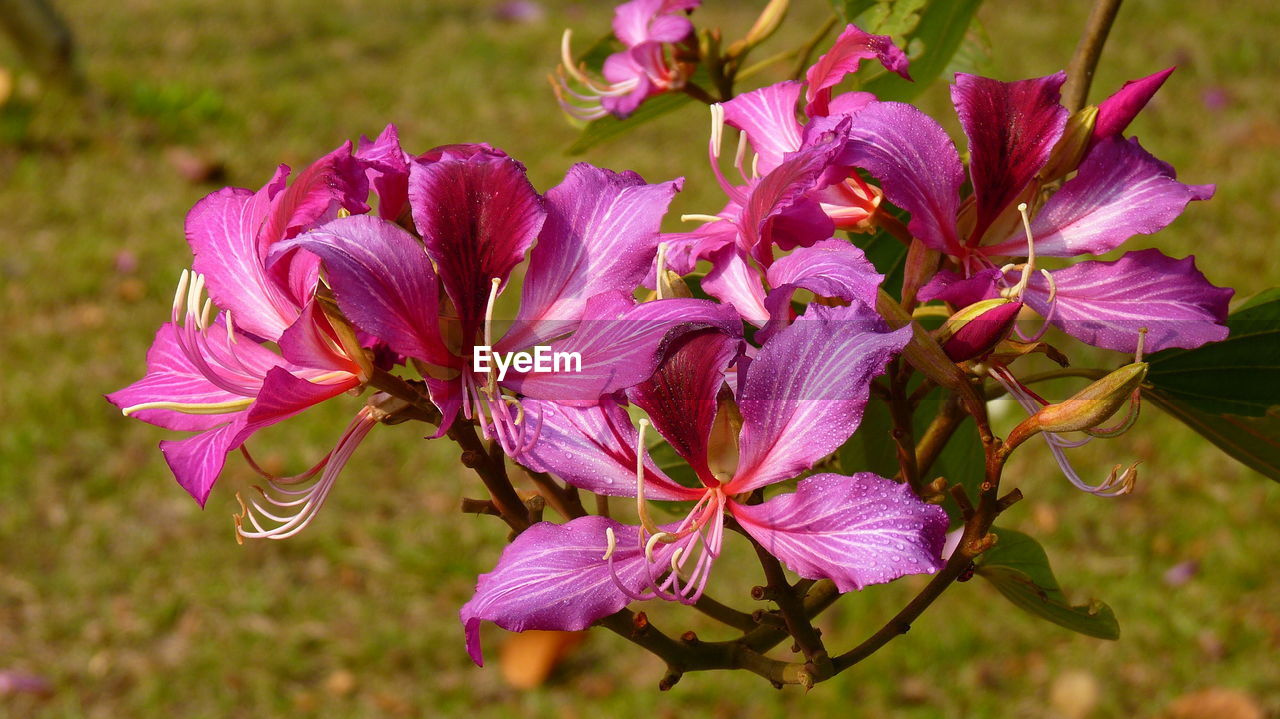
point(494, 475)
point(781, 593)
point(1085, 60)
point(938, 433)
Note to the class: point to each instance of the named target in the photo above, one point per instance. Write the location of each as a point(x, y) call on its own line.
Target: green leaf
point(607, 128)
point(931, 46)
point(847, 9)
point(1252, 441)
point(593, 57)
point(962, 462)
point(1019, 569)
point(895, 18)
point(887, 253)
point(974, 53)
point(871, 448)
point(1240, 375)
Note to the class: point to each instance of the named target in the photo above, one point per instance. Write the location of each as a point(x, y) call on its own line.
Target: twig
point(493, 474)
point(1085, 60)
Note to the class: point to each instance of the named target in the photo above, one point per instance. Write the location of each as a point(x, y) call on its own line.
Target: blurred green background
point(132, 602)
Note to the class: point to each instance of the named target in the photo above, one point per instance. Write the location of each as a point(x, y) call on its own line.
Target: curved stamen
point(1028, 267)
point(307, 500)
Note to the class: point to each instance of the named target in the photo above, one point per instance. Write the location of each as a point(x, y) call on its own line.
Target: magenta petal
point(621, 344)
point(311, 342)
point(960, 291)
point(1116, 112)
point(601, 234)
point(383, 282)
point(733, 280)
point(681, 396)
point(1012, 128)
point(334, 181)
point(554, 576)
point(777, 210)
point(855, 531)
point(641, 21)
point(768, 116)
point(831, 268)
point(1120, 191)
point(284, 395)
point(846, 54)
point(477, 217)
point(806, 388)
point(594, 448)
point(222, 230)
point(1106, 303)
point(197, 461)
point(917, 165)
point(172, 377)
point(387, 167)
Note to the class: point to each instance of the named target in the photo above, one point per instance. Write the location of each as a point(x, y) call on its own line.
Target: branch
point(493, 472)
point(1085, 60)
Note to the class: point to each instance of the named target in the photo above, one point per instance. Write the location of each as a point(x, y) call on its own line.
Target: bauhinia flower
point(215, 373)
point(1119, 191)
point(647, 65)
point(431, 296)
point(796, 401)
point(797, 192)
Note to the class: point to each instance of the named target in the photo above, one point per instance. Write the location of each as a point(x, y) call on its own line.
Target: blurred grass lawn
point(134, 603)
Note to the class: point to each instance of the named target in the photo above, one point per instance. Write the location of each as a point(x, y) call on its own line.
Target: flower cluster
point(376, 268)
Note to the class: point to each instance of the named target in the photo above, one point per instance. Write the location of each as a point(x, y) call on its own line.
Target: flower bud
point(922, 352)
point(1069, 151)
point(977, 329)
point(1094, 404)
point(1086, 409)
point(765, 25)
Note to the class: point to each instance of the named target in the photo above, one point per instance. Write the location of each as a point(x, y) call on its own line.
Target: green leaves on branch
point(1019, 569)
point(933, 32)
point(1229, 391)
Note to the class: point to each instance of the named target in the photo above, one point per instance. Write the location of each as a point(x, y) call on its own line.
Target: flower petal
point(197, 461)
point(383, 282)
point(855, 531)
point(735, 281)
point(172, 377)
point(601, 234)
point(1012, 128)
point(477, 216)
point(620, 343)
point(917, 165)
point(768, 116)
point(1105, 303)
point(387, 167)
point(960, 291)
point(831, 268)
point(594, 448)
point(553, 576)
point(846, 54)
point(681, 397)
point(1120, 191)
point(805, 390)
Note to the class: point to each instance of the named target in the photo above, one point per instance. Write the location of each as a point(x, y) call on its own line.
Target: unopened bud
point(671, 285)
point(922, 352)
point(1086, 409)
point(1069, 151)
point(765, 25)
point(977, 329)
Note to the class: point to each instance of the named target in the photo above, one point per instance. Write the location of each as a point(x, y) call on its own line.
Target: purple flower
point(798, 399)
point(432, 299)
point(216, 375)
point(798, 191)
point(645, 67)
point(1119, 191)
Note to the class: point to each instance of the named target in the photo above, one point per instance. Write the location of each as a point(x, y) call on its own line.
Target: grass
point(133, 602)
